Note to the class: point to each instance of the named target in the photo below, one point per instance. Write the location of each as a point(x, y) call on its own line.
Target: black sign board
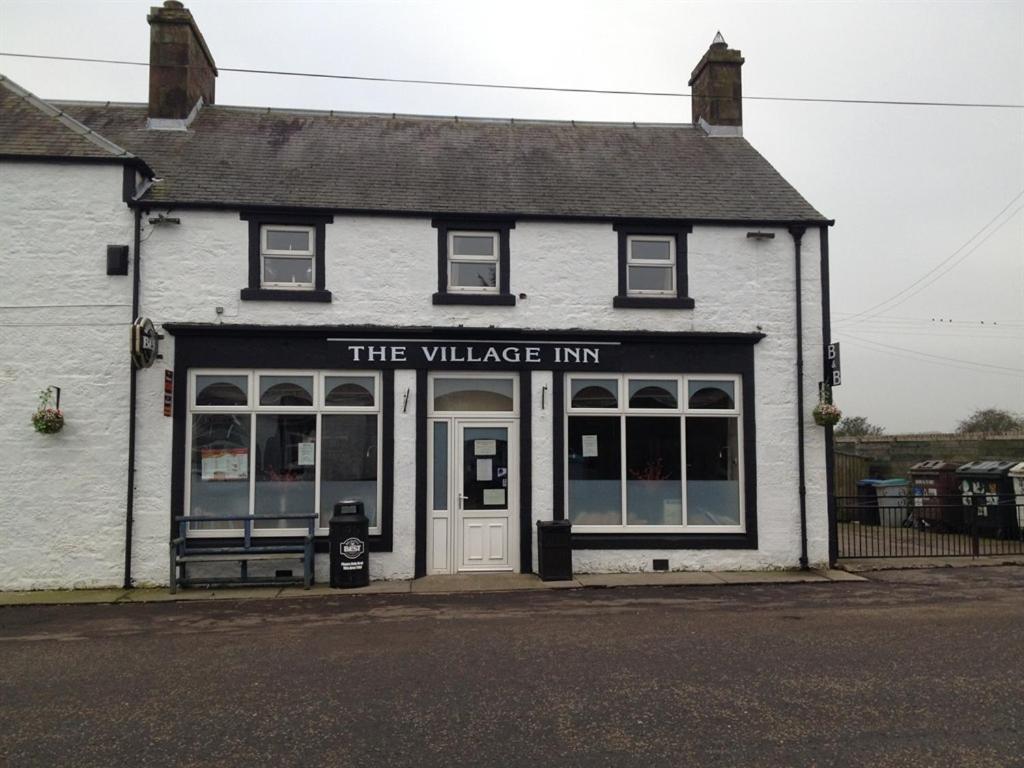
point(477, 355)
point(832, 355)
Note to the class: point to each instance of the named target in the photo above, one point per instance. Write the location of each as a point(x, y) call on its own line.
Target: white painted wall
point(382, 271)
point(63, 322)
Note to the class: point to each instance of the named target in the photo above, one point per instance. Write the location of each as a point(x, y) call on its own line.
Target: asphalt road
point(922, 668)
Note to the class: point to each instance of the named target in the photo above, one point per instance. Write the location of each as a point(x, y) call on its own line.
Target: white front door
point(473, 496)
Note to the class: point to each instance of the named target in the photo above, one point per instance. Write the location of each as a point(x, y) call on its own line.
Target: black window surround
point(259, 219)
point(504, 297)
point(682, 299)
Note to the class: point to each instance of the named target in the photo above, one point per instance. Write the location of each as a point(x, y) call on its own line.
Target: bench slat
point(229, 558)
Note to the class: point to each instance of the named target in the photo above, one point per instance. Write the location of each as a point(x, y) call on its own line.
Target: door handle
point(462, 498)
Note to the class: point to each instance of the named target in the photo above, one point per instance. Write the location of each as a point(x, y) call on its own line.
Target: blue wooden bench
point(185, 550)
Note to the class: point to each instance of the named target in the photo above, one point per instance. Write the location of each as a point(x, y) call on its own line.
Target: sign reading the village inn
point(472, 355)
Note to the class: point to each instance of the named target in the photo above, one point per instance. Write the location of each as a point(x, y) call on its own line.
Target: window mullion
point(252, 462)
point(622, 464)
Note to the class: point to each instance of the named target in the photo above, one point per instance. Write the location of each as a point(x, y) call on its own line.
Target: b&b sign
point(832, 355)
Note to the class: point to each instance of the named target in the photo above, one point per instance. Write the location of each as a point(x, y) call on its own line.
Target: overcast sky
point(908, 186)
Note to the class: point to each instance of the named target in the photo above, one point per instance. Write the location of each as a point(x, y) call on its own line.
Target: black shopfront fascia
point(466, 349)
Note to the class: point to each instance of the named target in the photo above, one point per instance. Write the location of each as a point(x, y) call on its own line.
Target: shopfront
point(648, 439)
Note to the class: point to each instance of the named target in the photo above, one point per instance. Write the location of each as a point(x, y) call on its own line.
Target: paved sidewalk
point(867, 564)
point(484, 582)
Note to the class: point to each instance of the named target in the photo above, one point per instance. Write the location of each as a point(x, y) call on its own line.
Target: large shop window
point(282, 442)
point(654, 453)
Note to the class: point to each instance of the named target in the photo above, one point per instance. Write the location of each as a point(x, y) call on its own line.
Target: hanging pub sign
point(832, 355)
point(477, 355)
point(144, 342)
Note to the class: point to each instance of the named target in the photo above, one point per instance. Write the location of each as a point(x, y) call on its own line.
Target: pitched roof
point(31, 127)
point(237, 156)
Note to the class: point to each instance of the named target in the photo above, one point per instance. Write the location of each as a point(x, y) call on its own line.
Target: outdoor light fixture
point(162, 219)
point(761, 235)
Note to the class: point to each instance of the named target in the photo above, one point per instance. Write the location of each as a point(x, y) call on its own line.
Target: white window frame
point(680, 412)
point(254, 409)
point(306, 255)
point(495, 257)
point(632, 261)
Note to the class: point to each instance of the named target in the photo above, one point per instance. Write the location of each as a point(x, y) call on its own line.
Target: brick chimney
point(716, 92)
point(181, 69)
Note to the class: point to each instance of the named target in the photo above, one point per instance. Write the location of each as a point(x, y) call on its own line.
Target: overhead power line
point(953, 360)
point(509, 87)
point(919, 285)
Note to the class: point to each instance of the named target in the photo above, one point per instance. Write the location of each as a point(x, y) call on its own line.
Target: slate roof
point(237, 156)
point(32, 127)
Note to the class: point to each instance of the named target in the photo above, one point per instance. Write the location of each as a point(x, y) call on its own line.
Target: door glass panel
point(441, 465)
point(285, 467)
point(473, 394)
point(485, 467)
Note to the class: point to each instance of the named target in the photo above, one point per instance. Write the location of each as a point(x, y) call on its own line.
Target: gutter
point(798, 232)
point(130, 503)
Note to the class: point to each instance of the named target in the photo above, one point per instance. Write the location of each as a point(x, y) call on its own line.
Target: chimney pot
point(716, 95)
point(181, 69)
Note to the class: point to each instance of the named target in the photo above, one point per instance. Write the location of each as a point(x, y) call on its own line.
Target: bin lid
point(934, 465)
point(985, 468)
point(868, 481)
point(1017, 470)
point(554, 524)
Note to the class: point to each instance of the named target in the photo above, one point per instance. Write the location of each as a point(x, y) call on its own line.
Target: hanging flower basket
point(48, 419)
point(826, 414)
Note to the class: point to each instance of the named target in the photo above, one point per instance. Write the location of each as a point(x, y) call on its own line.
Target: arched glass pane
point(286, 390)
point(595, 393)
point(712, 394)
point(349, 390)
point(648, 393)
point(473, 395)
point(222, 390)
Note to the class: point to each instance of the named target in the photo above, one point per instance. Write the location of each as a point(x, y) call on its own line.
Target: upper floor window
point(652, 266)
point(286, 257)
point(473, 262)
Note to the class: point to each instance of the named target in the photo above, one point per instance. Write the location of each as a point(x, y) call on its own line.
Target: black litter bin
point(349, 539)
point(554, 550)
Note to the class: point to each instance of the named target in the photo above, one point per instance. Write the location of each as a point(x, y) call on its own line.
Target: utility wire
point(892, 300)
point(903, 356)
point(937, 357)
point(505, 86)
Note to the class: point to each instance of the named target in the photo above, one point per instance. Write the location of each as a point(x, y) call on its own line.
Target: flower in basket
point(47, 419)
point(826, 414)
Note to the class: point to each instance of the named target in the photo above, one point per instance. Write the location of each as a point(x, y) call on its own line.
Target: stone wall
point(893, 455)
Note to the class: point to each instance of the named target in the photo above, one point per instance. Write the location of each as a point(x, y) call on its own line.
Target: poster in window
point(225, 463)
point(494, 497)
point(589, 446)
point(307, 454)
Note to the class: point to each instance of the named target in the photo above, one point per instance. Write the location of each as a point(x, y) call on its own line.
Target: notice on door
point(589, 446)
point(484, 470)
point(494, 497)
point(485, 447)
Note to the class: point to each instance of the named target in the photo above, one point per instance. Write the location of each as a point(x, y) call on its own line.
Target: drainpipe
point(826, 372)
point(130, 503)
point(798, 232)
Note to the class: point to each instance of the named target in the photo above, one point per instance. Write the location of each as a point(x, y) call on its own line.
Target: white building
point(471, 325)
